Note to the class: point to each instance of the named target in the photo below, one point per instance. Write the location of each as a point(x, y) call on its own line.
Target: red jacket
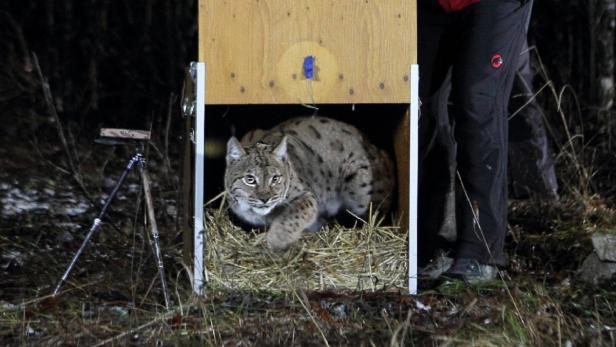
point(455, 5)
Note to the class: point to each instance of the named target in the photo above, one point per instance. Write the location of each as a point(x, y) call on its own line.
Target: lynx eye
point(250, 180)
point(276, 179)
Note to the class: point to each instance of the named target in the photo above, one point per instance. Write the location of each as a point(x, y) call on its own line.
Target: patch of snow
point(420, 306)
point(8, 306)
point(17, 201)
point(31, 332)
point(133, 188)
point(75, 209)
point(69, 225)
point(13, 258)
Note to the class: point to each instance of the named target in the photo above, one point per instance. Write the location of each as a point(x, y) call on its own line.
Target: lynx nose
point(264, 200)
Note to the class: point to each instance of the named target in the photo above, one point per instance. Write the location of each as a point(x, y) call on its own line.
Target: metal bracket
point(189, 91)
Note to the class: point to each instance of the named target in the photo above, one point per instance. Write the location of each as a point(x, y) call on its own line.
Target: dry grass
point(370, 256)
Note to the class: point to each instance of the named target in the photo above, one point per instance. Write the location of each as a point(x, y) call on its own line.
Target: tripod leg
point(97, 221)
point(93, 228)
point(145, 180)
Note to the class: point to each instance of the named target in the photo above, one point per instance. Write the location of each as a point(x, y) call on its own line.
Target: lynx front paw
point(279, 239)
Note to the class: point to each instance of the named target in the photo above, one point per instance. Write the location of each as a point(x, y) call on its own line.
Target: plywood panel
point(254, 50)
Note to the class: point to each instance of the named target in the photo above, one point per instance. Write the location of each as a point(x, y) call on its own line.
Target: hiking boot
point(470, 271)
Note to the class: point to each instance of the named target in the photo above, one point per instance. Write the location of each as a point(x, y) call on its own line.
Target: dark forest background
point(117, 62)
point(121, 63)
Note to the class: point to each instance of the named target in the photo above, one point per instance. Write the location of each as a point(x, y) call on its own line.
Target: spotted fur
point(300, 173)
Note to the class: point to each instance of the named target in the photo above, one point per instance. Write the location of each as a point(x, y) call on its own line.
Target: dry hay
point(369, 256)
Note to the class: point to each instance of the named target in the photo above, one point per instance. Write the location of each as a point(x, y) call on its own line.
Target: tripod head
point(115, 136)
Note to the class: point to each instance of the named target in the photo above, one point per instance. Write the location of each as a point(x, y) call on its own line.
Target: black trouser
point(481, 45)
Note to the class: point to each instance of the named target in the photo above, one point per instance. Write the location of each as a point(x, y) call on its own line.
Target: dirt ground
point(113, 294)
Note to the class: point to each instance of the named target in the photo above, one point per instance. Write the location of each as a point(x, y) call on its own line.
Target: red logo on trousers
point(496, 61)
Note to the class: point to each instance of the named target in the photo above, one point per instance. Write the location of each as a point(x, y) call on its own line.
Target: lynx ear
point(281, 150)
point(234, 150)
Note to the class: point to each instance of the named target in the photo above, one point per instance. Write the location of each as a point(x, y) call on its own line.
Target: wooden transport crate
point(259, 52)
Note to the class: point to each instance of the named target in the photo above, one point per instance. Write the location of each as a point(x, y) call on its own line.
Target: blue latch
point(309, 67)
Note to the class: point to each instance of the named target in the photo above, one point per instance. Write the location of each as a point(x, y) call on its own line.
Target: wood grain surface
point(254, 50)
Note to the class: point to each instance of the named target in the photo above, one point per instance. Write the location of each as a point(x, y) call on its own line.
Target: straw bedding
point(369, 256)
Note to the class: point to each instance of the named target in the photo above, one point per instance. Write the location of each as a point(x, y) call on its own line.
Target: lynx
point(302, 172)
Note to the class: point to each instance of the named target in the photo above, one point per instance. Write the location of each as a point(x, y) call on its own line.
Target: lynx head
point(256, 178)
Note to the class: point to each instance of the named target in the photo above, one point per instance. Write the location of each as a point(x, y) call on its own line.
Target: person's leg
point(491, 35)
point(531, 169)
point(433, 64)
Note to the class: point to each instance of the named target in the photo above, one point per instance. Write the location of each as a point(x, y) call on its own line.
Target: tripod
point(139, 160)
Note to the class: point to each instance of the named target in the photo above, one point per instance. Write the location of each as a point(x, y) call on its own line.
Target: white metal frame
point(413, 176)
point(199, 136)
